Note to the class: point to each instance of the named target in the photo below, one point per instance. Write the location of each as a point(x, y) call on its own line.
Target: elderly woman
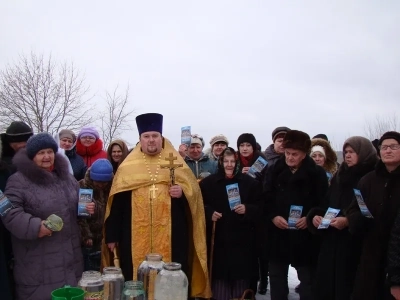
point(117, 151)
point(89, 145)
point(235, 259)
point(42, 186)
point(67, 141)
point(340, 250)
point(324, 156)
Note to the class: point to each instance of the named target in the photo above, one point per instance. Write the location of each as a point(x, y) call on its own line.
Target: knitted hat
point(40, 141)
point(318, 148)
point(278, 131)
point(298, 140)
point(220, 138)
point(101, 170)
point(197, 139)
point(247, 138)
point(321, 136)
point(18, 131)
point(390, 135)
point(66, 133)
point(89, 131)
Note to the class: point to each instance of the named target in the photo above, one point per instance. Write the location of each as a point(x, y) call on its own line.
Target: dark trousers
point(263, 267)
point(278, 273)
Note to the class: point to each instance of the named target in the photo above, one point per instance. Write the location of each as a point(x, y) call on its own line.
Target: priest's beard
point(152, 150)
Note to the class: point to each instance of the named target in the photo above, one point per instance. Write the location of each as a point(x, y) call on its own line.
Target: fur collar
point(37, 175)
point(381, 170)
point(209, 153)
point(307, 167)
point(349, 176)
point(91, 150)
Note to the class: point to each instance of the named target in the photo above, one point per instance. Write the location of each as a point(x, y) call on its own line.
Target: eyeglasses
point(87, 138)
point(392, 146)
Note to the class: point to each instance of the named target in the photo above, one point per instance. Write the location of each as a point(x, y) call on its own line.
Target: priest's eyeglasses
point(392, 146)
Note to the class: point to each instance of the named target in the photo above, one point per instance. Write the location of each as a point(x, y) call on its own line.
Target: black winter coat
point(393, 259)
point(381, 193)
point(77, 163)
point(340, 251)
point(306, 187)
point(5, 238)
point(234, 245)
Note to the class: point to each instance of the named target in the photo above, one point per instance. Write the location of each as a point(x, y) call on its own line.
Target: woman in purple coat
point(42, 186)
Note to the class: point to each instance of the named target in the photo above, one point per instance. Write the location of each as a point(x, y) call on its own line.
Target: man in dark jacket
point(294, 180)
point(11, 141)
point(276, 150)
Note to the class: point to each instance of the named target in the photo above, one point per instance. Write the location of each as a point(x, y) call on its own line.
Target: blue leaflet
point(329, 215)
point(361, 204)
point(5, 204)
point(85, 196)
point(233, 195)
point(186, 135)
point(294, 215)
point(258, 166)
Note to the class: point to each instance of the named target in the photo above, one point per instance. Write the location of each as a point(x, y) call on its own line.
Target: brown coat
point(92, 228)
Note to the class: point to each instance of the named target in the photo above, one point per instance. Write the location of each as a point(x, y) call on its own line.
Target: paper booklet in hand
point(85, 196)
point(329, 215)
point(294, 215)
point(258, 166)
point(186, 135)
point(233, 195)
point(5, 204)
point(361, 204)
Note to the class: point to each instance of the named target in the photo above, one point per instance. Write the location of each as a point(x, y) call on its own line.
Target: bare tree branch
point(46, 95)
point(375, 128)
point(116, 117)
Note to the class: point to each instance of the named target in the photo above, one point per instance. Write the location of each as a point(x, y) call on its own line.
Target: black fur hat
point(298, 140)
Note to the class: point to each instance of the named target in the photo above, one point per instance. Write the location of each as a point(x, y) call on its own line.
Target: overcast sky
point(225, 66)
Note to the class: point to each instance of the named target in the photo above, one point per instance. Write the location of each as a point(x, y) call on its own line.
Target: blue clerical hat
point(149, 122)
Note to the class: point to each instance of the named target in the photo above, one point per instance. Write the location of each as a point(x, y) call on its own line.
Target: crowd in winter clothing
point(279, 220)
point(41, 176)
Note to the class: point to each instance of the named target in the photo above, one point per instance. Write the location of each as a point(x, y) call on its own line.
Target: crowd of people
point(156, 199)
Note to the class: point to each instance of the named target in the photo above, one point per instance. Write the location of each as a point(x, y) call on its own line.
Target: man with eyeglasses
point(381, 192)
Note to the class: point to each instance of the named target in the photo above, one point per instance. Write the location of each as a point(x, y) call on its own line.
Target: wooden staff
point(116, 258)
point(212, 252)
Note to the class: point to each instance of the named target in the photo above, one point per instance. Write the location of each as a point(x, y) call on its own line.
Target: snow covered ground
point(293, 281)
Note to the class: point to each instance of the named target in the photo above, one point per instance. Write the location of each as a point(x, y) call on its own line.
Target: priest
point(147, 214)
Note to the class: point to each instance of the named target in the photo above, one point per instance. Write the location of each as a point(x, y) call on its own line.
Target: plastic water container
point(67, 293)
